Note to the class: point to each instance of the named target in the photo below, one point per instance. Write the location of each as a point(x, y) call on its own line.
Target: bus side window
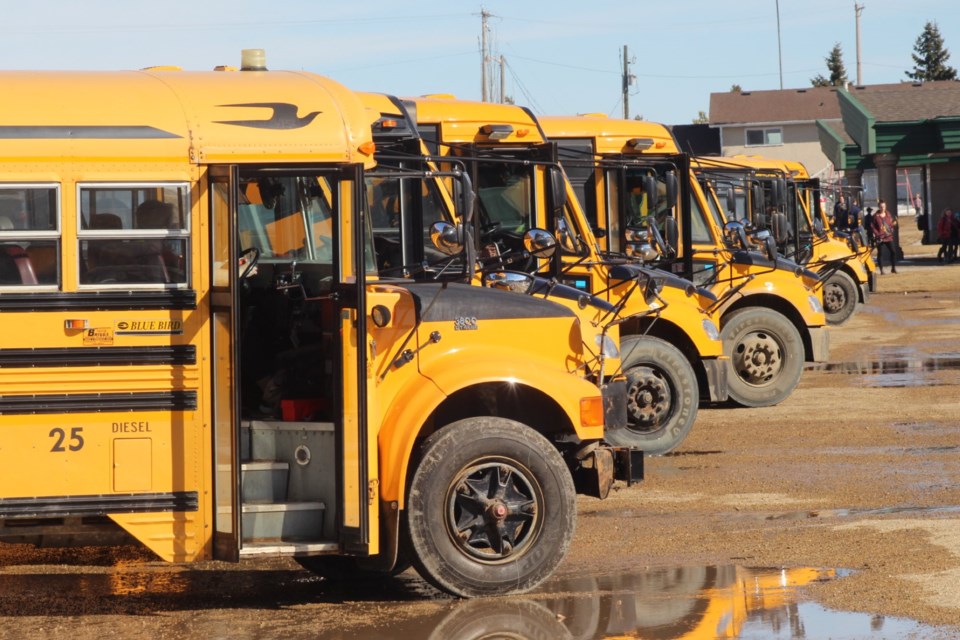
point(135, 235)
point(29, 235)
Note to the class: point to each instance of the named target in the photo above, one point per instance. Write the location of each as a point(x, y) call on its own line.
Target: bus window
point(29, 236)
point(134, 235)
point(505, 195)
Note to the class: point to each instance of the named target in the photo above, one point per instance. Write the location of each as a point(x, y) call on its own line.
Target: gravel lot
point(858, 470)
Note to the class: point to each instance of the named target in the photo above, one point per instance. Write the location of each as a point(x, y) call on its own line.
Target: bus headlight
point(607, 346)
point(815, 304)
point(711, 329)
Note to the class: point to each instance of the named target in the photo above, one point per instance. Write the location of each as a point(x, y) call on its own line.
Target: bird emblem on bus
point(284, 116)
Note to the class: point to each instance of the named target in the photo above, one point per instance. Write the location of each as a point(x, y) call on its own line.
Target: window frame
point(182, 234)
point(765, 131)
point(12, 236)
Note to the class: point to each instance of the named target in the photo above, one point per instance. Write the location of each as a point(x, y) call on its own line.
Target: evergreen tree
point(838, 73)
point(930, 59)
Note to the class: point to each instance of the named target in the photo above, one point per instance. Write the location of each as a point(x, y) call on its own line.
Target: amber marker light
point(74, 324)
point(591, 411)
point(367, 148)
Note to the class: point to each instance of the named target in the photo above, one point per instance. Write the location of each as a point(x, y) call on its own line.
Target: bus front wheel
point(663, 396)
point(491, 508)
point(766, 356)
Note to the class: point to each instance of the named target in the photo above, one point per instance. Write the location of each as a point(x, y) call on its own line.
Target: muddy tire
point(663, 396)
point(766, 356)
point(840, 298)
point(491, 508)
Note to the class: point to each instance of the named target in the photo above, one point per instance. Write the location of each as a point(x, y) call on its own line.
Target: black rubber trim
point(98, 356)
point(98, 402)
point(97, 505)
point(99, 300)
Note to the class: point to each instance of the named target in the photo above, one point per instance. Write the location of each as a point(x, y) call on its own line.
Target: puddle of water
point(658, 604)
point(810, 620)
point(690, 453)
point(897, 369)
point(846, 513)
point(674, 602)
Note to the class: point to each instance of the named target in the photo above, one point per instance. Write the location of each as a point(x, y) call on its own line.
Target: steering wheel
point(248, 263)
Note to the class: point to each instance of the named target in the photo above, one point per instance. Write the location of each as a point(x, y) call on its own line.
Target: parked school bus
point(776, 195)
point(409, 199)
point(197, 353)
point(670, 351)
point(635, 182)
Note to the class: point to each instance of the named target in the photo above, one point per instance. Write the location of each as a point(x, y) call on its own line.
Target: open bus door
point(295, 465)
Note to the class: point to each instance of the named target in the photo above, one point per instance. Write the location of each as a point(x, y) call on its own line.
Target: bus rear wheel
point(491, 508)
point(663, 396)
point(766, 356)
point(839, 297)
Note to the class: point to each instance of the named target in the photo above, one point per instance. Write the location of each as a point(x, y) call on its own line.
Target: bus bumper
point(716, 371)
point(819, 343)
point(599, 466)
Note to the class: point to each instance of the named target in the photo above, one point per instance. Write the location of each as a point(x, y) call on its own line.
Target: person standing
point(945, 234)
point(883, 229)
point(853, 217)
point(868, 226)
point(840, 214)
point(918, 210)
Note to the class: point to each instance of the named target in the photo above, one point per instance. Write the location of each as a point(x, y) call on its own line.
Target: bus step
point(264, 481)
point(285, 521)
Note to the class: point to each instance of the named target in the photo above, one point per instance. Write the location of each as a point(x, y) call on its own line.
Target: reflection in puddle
point(685, 602)
point(677, 602)
point(897, 369)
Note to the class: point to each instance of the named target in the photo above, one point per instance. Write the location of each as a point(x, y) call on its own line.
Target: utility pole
point(484, 54)
point(858, 9)
point(503, 82)
point(779, 48)
point(628, 79)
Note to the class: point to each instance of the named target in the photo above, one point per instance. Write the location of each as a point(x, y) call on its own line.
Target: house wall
point(801, 143)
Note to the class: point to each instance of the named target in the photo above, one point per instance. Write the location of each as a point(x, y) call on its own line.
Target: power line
point(523, 89)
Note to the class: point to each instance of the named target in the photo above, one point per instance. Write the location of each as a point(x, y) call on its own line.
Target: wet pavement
point(664, 603)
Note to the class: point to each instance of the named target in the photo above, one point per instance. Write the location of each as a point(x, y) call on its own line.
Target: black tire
point(840, 297)
point(663, 396)
point(491, 508)
point(766, 356)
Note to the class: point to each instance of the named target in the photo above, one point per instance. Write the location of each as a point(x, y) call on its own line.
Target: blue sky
point(562, 57)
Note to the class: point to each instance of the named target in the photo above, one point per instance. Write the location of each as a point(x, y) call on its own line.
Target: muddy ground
point(858, 471)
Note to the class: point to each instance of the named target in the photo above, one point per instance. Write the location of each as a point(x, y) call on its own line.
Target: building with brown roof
point(779, 123)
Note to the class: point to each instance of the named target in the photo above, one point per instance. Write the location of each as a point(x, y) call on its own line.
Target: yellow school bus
point(197, 353)
point(409, 196)
point(640, 190)
point(778, 195)
point(670, 348)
